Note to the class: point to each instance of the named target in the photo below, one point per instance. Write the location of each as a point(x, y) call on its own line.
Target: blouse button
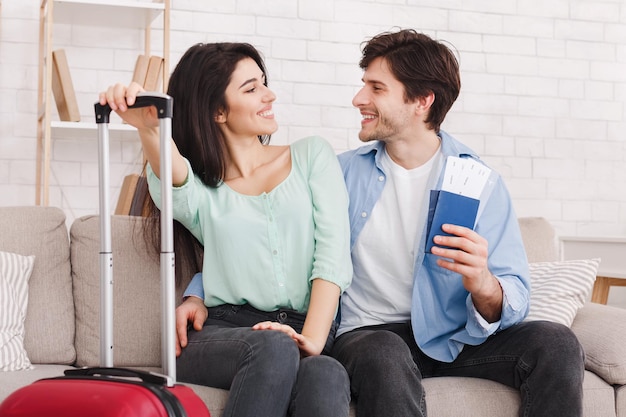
point(381, 178)
point(364, 214)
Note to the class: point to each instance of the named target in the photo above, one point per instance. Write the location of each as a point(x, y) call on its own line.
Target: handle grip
point(162, 102)
point(118, 372)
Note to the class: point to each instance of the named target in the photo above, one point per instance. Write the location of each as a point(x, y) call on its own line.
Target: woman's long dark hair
point(197, 86)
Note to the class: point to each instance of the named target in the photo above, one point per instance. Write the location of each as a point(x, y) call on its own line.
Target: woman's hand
point(307, 346)
point(119, 97)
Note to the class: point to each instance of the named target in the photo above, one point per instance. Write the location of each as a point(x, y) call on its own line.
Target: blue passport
point(449, 208)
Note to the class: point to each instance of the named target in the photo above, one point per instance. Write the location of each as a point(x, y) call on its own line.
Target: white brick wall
point(543, 96)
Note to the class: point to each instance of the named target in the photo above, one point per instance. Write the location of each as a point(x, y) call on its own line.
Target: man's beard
point(382, 131)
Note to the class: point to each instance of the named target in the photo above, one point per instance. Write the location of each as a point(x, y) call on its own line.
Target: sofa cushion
point(136, 293)
point(14, 275)
point(49, 325)
point(480, 397)
point(11, 381)
point(540, 239)
point(559, 289)
point(601, 330)
point(620, 400)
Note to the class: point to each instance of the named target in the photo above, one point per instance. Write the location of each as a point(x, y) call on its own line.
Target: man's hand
point(192, 310)
point(467, 255)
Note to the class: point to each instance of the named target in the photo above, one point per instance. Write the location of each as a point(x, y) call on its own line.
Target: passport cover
point(449, 208)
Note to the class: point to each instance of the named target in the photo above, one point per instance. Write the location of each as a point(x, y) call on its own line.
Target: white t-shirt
point(383, 284)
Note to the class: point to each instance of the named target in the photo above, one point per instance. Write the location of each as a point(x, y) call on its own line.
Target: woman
point(274, 226)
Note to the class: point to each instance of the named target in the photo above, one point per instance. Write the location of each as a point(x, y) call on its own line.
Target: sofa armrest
point(601, 330)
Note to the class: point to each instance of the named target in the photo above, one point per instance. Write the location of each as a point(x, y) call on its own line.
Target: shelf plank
point(73, 126)
point(89, 131)
point(113, 13)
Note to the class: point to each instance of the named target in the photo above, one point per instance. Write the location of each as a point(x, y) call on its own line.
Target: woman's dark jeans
point(544, 360)
point(262, 368)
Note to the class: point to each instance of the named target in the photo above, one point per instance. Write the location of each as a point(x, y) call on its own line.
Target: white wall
point(543, 95)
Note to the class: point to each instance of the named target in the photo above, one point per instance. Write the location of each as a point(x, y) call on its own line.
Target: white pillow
point(15, 272)
point(559, 289)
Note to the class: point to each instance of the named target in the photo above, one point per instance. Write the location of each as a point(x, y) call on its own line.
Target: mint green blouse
point(265, 250)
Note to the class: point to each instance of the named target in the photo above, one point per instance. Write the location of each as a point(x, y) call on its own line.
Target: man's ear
point(422, 104)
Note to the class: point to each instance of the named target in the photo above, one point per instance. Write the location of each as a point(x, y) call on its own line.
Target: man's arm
point(195, 287)
point(491, 254)
point(192, 310)
point(468, 256)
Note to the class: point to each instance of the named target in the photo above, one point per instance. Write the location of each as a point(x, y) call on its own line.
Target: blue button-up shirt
point(443, 316)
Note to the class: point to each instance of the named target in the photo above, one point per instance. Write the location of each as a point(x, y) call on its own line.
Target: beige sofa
point(63, 315)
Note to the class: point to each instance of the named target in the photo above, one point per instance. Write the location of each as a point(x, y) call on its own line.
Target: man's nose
point(359, 98)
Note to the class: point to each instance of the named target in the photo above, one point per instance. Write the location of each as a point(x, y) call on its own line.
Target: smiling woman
point(273, 223)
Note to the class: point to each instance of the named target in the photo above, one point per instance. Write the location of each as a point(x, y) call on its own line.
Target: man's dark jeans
point(544, 360)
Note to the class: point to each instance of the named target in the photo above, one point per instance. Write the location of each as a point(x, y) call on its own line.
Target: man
point(458, 309)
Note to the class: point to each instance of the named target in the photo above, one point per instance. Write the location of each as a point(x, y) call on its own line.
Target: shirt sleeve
point(498, 224)
point(477, 326)
point(195, 287)
point(332, 261)
point(185, 200)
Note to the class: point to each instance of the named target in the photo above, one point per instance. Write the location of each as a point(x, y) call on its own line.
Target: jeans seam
point(480, 361)
point(525, 388)
point(243, 368)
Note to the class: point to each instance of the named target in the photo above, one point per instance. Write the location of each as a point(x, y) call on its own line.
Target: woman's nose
point(269, 95)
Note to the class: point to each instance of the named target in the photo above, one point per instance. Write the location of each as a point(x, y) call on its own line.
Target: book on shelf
point(133, 198)
point(148, 72)
point(141, 68)
point(125, 199)
point(63, 89)
point(154, 74)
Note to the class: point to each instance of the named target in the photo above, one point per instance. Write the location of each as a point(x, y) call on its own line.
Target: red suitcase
point(109, 391)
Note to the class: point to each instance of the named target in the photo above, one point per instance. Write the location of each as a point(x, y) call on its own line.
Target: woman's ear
point(220, 117)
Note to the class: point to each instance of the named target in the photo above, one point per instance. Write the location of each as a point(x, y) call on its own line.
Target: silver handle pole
point(106, 256)
point(168, 351)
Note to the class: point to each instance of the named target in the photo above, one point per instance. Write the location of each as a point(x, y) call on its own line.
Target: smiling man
point(457, 309)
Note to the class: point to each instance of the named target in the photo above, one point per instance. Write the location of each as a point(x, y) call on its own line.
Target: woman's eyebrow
point(251, 80)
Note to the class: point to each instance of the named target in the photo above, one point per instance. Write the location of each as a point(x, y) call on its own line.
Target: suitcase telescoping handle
point(149, 377)
point(164, 106)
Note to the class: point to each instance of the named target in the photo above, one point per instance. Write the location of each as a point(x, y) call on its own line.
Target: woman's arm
point(332, 264)
point(319, 318)
point(119, 97)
